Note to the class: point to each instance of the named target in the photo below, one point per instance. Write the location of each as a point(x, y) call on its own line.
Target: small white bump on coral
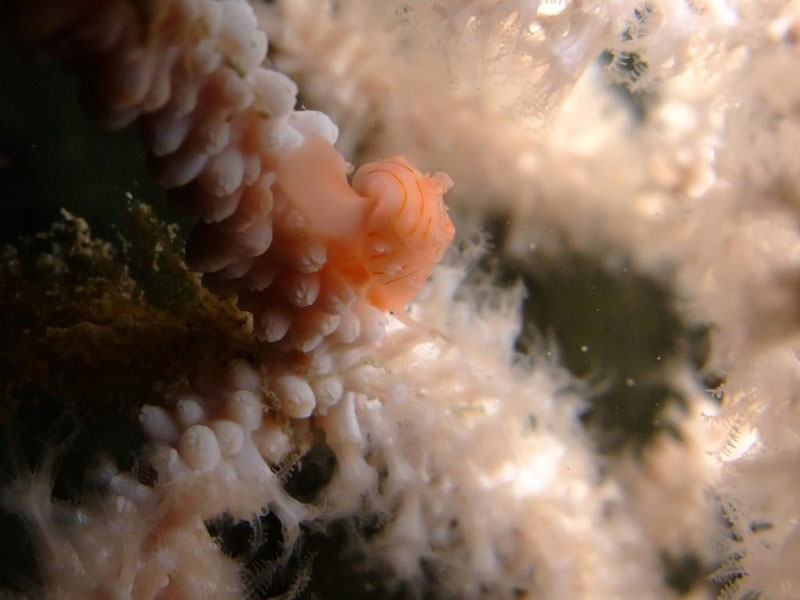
point(245, 408)
point(199, 448)
point(230, 436)
point(328, 391)
point(314, 123)
point(189, 410)
point(273, 443)
point(272, 324)
point(157, 424)
point(295, 396)
point(242, 376)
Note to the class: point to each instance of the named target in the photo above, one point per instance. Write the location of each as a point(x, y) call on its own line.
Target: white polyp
point(257, 51)
point(238, 21)
point(293, 225)
point(260, 132)
point(123, 506)
point(305, 342)
point(236, 92)
point(211, 130)
point(320, 362)
point(226, 471)
point(300, 289)
point(184, 100)
point(239, 38)
point(245, 408)
point(313, 122)
point(189, 410)
point(192, 74)
point(311, 343)
point(349, 328)
point(243, 376)
point(295, 395)
point(364, 376)
point(178, 169)
point(102, 471)
point(326, 324)
point(252, 169)
point(214, 209)
point(237, 27)
point(255, 206)
point(343, 420)
point(166, 462)
point(373, 323)
point(328, 391)
point(157, 424)
point(336, 296)
point(273, 443)
point(249, 464)
point(276, 94)
point(199, 448)
point(230, 436)
point(168, 134)
point(314, 327)
point(130, 489)
point(255, 240)
point(223, 173)
point(306, 255)
point(273, 324)
point(276, 133)
point(268, 179)
point(161, 86)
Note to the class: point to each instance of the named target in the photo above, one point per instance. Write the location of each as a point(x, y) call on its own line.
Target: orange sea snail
point(385, 233)
point(407, 230)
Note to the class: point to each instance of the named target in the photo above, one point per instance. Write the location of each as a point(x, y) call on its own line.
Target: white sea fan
point(473, 456)
point(702, 184)
point(488, 476)
point(470, 455)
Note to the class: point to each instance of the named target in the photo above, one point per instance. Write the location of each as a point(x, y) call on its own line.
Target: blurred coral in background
point(591, 394)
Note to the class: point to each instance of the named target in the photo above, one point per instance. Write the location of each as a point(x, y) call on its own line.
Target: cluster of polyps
point(222, 434)
point(311, 257)
point(227, 434)
point(123, 543)
point(212, 450)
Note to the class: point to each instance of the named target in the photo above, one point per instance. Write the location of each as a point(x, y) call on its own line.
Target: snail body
point(385, 233)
